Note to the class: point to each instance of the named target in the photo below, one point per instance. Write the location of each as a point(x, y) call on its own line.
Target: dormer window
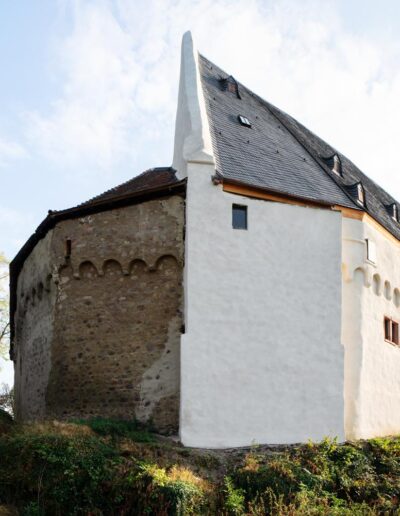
point(394, 212)
point(230, 84)
point(337, 166)
point(334, 164)
point(360, 194)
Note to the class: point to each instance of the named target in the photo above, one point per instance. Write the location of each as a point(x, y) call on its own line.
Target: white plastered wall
point(372, 366)
point(262, 359)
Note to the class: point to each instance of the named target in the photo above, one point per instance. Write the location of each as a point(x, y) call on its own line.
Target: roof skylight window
point(244, 121)
point(360, 194)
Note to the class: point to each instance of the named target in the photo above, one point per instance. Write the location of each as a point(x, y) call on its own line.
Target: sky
point(88, 88)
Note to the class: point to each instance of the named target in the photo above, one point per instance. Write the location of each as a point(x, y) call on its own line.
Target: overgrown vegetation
point(116, 429)
point(105, 467)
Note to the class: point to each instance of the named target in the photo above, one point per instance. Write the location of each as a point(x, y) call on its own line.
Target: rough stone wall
point(117, 315)
point(34, 322)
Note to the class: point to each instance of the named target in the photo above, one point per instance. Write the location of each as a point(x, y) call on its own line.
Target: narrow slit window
point(239, 216)
point(68, 248)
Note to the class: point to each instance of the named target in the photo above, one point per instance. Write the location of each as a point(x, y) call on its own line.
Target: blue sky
point(88, 88)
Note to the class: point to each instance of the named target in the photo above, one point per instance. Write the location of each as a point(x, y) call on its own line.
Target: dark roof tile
point(152, 178)
point(279, 154)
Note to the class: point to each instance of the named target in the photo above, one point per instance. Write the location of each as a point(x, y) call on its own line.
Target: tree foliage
point(4, 307)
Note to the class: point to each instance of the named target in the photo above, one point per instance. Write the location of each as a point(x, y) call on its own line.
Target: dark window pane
point(395, 332)
point(239, 216)
point(387, 328)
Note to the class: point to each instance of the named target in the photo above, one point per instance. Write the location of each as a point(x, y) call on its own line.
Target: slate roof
point(152, 178)
point(279, 154)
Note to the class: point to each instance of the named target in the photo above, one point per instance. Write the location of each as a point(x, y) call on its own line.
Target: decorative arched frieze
point(137, 266)
point(387, 290)
point(166, 261)
point(87, 270)
point(359, 276)
point(112, 267)
point(90, 269)
point(396, 297)
point(353, 274)
point(377, 284)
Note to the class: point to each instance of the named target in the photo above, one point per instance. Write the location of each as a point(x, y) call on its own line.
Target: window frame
point(360, 194)
point(242, 208)
point(395, 214)
point(393, 337)
point(371, 251)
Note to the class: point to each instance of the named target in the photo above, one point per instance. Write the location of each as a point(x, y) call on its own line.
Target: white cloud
point(120, 65)
point(10, 151)
point(15, 228)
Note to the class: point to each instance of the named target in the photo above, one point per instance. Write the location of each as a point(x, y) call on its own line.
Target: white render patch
point(262, 359)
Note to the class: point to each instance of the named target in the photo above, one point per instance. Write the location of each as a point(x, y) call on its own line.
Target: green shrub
point(234, 497)
point(175, 491)
point(58, 469)
point(63, 474)
point(118, 428)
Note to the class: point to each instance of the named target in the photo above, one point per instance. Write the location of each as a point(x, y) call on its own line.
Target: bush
point(57, 473)
point(118, 428)
point(67, 470)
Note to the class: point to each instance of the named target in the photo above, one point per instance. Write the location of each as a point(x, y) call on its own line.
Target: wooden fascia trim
point(349, 213)
point(256, 193)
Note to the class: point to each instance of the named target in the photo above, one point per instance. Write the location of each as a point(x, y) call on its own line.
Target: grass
point(107, 467)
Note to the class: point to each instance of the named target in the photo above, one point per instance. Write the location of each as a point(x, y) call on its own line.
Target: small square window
point(391, 331)
point(239, 216)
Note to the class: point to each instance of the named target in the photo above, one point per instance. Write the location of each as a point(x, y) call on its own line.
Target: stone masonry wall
point(34, 323)
point(117, 316)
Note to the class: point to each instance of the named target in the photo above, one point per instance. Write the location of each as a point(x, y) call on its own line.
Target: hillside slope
point(106, 467)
